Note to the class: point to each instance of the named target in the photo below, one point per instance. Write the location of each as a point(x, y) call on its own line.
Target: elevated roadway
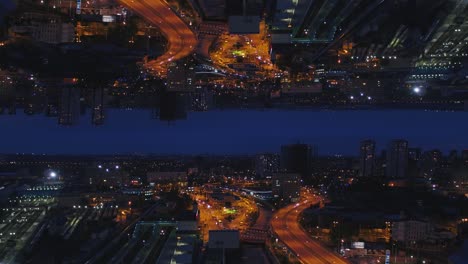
point(286, 226)
point(181, 39)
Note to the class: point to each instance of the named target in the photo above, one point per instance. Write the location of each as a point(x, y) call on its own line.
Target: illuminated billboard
point(357, 245)
point(108, 19)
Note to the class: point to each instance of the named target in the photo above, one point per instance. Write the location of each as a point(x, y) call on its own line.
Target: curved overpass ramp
point(286, 226)
point(181, 39)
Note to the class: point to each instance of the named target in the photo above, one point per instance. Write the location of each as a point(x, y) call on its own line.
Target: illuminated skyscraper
point(397, 159)
point(367, 156)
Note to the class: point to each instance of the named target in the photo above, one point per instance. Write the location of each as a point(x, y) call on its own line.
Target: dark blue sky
point(234, 132)
point(5, 7)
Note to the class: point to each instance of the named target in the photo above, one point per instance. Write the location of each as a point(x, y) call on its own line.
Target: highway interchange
point(213, 215)
point(286, 226)
point(181, 39)
point(181, 43)
point(22, 223)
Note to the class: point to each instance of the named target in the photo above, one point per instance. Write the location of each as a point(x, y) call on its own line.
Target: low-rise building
point(54, 33)
point(42, 27)
point(166, 176)
point(411, 230)
point(224, 239)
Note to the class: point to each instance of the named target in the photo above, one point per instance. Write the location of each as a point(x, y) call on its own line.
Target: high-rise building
point(367, 158)
point(464, 157)
point(431, 162)
point(7, 92)
point(266, 164)
point(201, 99)
point(244, 16)
point(97, 114)
point(414, 153)
point(173, 106)
point(397, 159)
point(453, 156)
point(286, 186)
point(244, 7)
point(315, 21)
point(69, 110)
point(53, 94)
point(181, 76)
point(297, 158)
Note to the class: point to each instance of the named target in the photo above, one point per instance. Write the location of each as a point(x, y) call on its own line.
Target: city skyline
point(234, 131)
point(336, 132)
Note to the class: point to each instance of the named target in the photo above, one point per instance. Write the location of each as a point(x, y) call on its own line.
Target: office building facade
point(286, 186)
point(266, 164)
point(397, 159)
point(367, 158)
point(69, 110)
point(297, 158)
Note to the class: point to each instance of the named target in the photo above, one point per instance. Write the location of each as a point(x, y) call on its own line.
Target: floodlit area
point(18, 228)
point(240, 53)
point(215, 214)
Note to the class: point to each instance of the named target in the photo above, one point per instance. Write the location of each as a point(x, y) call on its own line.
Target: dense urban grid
point(74, 60)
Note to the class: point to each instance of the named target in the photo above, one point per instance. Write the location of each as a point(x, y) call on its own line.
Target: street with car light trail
point(286, 226)
point(180, 38)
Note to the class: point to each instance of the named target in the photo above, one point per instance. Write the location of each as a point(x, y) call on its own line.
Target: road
point(181, 39)
point(258, 233)
point(286, 226)
point(252, 49)
point(213, 214)
point(263, 220)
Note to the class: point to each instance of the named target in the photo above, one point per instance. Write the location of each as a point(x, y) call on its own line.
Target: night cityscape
point(234, 131)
